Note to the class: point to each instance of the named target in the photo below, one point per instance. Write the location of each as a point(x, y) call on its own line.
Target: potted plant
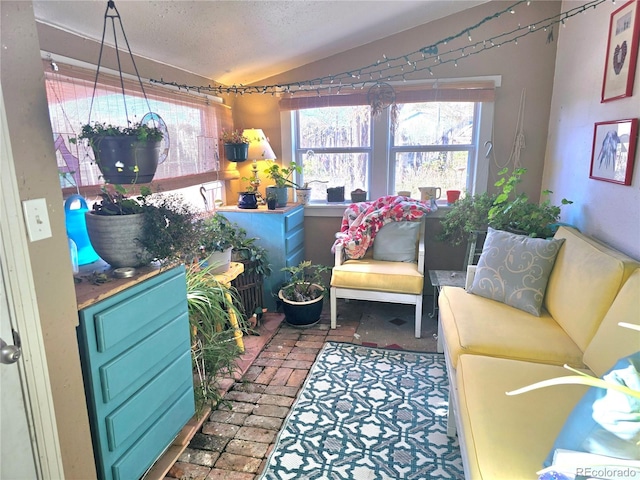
point(272, 200)
point(236, 146)
point(303, 294)
point(131, 231)
point(217, 242)
point(282, 177)
point(214, 352)
point(248, 199)
point(518, 214)
point(124, 155)
point(303, 193)
point(468, 218)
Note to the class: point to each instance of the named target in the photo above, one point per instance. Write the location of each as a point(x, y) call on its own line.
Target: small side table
point(225, 278)
point(445, 278)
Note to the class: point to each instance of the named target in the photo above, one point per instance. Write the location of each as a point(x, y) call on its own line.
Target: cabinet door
point(136, 357)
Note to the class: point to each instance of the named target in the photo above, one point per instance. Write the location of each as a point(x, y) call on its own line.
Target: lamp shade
point(259, 148)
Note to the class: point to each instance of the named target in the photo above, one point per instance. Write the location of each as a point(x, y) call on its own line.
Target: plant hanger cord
point(519, 142)
point(111, 5)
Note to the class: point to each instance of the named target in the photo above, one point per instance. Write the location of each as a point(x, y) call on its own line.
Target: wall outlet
point(36, 217)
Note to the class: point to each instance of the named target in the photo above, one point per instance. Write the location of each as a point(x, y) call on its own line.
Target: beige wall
point(37, 177)
point(526, 67)
point(607, 211)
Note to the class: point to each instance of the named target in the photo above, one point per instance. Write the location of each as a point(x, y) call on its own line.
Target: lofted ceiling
point(244, 41)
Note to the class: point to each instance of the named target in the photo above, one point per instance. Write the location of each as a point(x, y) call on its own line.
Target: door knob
point(10, 353)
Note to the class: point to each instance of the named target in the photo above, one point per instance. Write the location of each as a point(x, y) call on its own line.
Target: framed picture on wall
point(622, 52)
point(614, 149)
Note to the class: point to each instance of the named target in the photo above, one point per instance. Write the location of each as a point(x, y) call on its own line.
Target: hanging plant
point(125, 155)
point(236, 146)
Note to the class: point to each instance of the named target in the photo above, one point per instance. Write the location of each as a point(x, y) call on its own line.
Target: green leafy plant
point(514, 212)
point(214, 351)
point(305, 282)
point(117, 201)
point(282, 176)
point(140, 131)
point(172, 228)
point(506, 210)
point(220, 234)
point(467, 215)
point(234, 136)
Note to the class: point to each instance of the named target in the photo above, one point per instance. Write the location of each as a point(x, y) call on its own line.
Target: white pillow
point(396, 242)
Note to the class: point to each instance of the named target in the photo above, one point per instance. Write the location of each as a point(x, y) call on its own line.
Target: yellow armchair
point(380, 280)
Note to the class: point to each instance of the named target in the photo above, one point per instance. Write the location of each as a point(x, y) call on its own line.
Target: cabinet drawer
point(149, 402)
point(144, 359)
point(126, 318)
point(294, 219)
point(135, 461)
point(294, 241)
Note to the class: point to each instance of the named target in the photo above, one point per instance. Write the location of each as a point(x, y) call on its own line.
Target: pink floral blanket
point(362, 221)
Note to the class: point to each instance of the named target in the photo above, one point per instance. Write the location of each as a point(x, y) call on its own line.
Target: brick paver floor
point(236, 439)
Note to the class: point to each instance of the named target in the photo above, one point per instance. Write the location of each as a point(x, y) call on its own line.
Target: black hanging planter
point(236, 152)
point(126, 160)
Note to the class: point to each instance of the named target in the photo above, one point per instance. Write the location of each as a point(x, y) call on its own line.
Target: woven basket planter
point(249, 287)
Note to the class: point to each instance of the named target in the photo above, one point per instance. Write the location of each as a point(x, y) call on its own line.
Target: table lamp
point(259, 149)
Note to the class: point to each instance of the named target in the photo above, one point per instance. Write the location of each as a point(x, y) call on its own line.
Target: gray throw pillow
point(396, 242)
point(515, 269)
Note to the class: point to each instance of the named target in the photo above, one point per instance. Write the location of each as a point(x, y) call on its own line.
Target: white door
point(16, 455)
point(29, 434)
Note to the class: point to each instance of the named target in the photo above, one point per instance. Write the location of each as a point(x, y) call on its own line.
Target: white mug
point(430, 193)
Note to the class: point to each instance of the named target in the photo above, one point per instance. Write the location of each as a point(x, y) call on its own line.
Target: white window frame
point(380, 185)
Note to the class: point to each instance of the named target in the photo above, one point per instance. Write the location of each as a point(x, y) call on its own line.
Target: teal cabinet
point(281, 232)
point(135, 350)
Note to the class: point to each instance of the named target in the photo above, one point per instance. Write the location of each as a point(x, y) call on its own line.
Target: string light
point(393, 68)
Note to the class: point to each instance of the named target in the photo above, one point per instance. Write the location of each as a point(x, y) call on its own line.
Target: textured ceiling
point(235, 42)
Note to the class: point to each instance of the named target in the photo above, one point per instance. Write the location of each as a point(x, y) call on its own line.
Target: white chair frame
point(381, 296)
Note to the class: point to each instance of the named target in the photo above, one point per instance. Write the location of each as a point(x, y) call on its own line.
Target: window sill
point(320, 209)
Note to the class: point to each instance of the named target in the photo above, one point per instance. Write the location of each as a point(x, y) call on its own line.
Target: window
point(433, 145)
point(334, 147)
point(193, 124)
point(434, 142)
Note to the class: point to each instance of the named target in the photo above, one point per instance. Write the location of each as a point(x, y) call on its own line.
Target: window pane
point(335, 127)
point(447, 170)
point(334, 170)
point(434, 123)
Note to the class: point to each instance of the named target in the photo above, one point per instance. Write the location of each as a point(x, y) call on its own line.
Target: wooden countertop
point(88, 291)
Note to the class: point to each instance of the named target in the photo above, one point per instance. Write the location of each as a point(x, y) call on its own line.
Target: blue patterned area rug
point(368, 414)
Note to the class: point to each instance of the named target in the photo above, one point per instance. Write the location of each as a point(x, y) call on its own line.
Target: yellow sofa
point(491, 348)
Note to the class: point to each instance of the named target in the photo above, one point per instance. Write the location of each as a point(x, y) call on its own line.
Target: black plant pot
point(247, 200)
point(301, 314)
point(236, 152)
point(126, 160)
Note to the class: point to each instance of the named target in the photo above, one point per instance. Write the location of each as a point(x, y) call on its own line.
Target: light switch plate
point(36, 218)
